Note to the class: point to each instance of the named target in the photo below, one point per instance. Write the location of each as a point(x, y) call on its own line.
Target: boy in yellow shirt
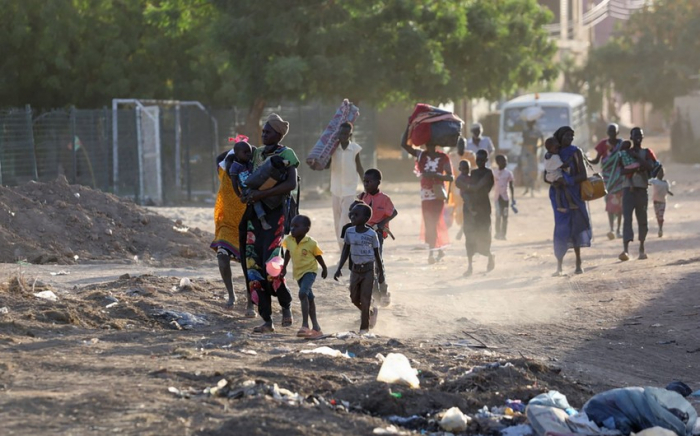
point(305, 255)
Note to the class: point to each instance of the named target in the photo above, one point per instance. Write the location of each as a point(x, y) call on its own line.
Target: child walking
point(503, 179)
point(554, 173)
point(362, 246)
point(659, 189)
point(305, 255)
point(383, 211)
point(241, 168)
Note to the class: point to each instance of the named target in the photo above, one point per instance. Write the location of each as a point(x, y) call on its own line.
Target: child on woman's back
point(554, 173)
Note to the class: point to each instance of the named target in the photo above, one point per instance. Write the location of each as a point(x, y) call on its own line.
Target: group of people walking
point(252, 219)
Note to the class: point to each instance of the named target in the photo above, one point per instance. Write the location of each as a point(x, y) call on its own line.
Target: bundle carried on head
point(430, 123)
point(320, 155)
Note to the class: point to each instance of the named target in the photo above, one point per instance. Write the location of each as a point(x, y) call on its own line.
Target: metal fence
point(158, 153)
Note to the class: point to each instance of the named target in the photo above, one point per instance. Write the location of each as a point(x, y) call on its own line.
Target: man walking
point(346, 170)
point(635, 198)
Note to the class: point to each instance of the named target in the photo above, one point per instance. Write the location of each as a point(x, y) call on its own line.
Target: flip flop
point(303, 332)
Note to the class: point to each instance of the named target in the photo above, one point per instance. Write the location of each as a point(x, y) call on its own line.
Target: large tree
point(379, 51)
point(654, 58)
point(86, 52)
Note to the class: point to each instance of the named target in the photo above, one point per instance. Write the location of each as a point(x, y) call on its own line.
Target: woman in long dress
point(572, 227)
point(261, 245)
point(434, 169)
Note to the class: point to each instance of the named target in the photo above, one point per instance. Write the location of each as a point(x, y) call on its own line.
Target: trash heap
point(398, 387)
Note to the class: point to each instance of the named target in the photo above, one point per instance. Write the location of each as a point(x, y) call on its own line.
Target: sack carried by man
point(593, 188)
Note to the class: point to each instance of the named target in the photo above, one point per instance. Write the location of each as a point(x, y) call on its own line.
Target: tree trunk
point(252, 127)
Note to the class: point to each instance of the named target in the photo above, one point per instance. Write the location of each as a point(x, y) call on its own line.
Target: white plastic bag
point(453, 420)
point(326, 351)
point(397, 369)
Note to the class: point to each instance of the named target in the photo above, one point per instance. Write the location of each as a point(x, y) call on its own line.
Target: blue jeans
point(305, 284)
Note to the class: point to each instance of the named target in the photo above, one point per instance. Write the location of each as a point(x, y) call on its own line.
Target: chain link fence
point(158, 153)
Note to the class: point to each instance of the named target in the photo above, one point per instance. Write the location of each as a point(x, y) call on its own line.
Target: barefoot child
point(362, 246)
point(503, 180)
point(383, 211)
point(554, 173)
point(241, 168)
point(659, 189)
point(305, 255)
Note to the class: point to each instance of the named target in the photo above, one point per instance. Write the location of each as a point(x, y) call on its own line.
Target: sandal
point(303, 332)
point(265, 328)
point(314, 334)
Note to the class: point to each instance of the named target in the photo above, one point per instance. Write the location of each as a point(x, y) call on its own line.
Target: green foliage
point(86, 52)
point(655, 56)
point(380, 51)
point(249, 52)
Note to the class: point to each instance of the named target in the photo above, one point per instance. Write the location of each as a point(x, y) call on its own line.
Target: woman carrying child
point(572, 228)
point(475, 187)
point(260, 244)
point(434, 169)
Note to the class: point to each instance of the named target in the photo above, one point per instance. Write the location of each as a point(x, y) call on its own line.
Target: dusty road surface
point(105, 357)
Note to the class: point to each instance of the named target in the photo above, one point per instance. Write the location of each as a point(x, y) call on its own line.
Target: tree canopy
point(255, 52)
point(655, 57)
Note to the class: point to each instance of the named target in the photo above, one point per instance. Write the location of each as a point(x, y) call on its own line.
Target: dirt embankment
point(55, 222)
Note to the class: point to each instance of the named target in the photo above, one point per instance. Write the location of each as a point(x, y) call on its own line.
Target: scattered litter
point(92, 341)
point(60, 273)
point(518, 430)
point(554, 399)
point(250, 352)
point(111, 305)
point(666, 342)
point(181, 229)
point(391, 430)
point(413, 421)
point(77, 195)
point(453, 420)
point(4, 310)
point(185, 284)
point(47, 295)
point(76, 257)
point(326, 351)
point(111, 299)
point(185, 320)
point(397, 369)
point(656, 325)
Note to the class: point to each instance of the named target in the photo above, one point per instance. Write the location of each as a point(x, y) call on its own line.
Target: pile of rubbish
point(617, 412)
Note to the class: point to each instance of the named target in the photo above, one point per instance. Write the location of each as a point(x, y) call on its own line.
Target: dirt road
point(77, 367)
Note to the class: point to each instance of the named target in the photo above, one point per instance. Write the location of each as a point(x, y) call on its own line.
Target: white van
point(560, 109)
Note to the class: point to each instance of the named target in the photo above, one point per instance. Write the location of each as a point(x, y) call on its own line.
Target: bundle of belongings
point(430, 123)
point(645, 411)
point(321, 153)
